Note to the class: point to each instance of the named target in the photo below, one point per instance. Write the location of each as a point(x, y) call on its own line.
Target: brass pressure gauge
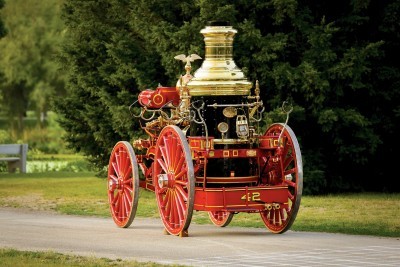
point(223, 127)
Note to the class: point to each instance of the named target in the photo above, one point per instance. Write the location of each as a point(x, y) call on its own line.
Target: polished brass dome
point(218, 75)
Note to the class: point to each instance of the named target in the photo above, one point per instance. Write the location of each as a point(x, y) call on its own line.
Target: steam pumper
point(205, 151)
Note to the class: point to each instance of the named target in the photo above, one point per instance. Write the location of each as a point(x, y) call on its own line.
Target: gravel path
point(206, 245)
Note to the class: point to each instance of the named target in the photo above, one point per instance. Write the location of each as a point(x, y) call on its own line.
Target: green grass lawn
point(12, 257)
point(82, 193)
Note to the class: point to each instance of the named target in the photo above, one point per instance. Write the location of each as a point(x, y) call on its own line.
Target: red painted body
point(265, 188)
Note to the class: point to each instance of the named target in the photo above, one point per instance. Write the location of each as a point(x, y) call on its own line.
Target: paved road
point(207, 245)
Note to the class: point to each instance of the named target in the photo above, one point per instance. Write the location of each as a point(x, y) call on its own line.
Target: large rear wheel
point(123, 184)
point(281, 216)
point(174, 180)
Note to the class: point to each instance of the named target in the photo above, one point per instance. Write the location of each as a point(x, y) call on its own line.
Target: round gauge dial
point(223, 127)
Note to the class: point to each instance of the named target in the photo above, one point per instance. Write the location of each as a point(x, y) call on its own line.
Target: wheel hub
point(162, 180)
point(166, 180)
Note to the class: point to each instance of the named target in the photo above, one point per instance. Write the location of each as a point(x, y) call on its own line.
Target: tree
point(31, 75)
point(104, 65)
point(3, 30)
point(2, 34)
point(330, 59)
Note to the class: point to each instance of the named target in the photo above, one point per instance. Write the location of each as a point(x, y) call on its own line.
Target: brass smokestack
point(218, 75)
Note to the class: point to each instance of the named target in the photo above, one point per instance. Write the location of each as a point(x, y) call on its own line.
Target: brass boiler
point(218, 91)
point(219, 75)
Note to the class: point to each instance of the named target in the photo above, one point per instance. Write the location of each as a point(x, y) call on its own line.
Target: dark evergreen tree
point(2, 27)
point(335, 61)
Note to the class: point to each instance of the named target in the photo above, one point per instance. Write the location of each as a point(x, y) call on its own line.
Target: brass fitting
point(276, 206)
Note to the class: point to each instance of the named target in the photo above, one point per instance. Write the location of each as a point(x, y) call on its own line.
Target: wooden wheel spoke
point(171, 209)
point(279, 217)
point(181, 192)
point(180, 207)
point(290, 183)
point(162, 191)
point(169, 149)
point(121, 161)
point(290, 171)
point(176, 221)
point(162, 164)
point(165, 156)
point(115, 168)
point(164, 198)
point(113, 178)
point(167, 211)
point(286, 147)
point(113, 185)
point(116, 162)
point(127, 193)
point(272, 217)
point(167, 202)
point(173, 151)
point(177, 217)
point(179, 165)
point(124, 162)
point(127, 172)
point(117, 205)
point(276, 218)
point(282, 215)
point(128, 181)
point(291, 196)
point(126, 204)
point(287, 161)
point(120, 206)
point(181, 182)
point(116, 198)
point(181, 174)
point(166, 150)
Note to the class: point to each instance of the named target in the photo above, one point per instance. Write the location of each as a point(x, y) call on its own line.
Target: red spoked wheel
point(123, 184)
point(174, 180)
point(220, 218)
point(280, 216)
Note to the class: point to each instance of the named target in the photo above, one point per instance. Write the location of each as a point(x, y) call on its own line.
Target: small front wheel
point(123, 184)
